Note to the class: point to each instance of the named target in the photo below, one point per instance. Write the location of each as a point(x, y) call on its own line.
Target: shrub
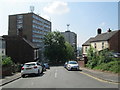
point(97, 58)
point(7, 61)
point(111, 66)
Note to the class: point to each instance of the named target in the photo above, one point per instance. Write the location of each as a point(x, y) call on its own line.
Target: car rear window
point(29, 65)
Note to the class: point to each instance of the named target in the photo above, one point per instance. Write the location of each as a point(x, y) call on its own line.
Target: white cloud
point(46, 16)
point(102, 24)
point(57, 7)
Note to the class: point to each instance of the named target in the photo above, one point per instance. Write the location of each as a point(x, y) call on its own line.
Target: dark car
point(43, 67)
point(46, 65)
point(116, 55)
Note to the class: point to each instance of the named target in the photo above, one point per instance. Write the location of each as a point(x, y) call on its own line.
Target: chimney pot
point(109, 30)
point(99, 30)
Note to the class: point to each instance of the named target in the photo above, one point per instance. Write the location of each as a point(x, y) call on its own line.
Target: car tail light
point(35, 66)
point(22, 68)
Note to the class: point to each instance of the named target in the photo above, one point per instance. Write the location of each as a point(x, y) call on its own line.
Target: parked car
point(116, 55)
point(65, 64)
point(43, 66)
point(47, 66)
point(31, 68)
point(72, 65)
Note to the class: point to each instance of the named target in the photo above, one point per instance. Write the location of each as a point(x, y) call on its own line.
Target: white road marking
point(55, 73)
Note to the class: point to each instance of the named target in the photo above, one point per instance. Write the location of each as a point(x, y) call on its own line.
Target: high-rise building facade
point(71, 37)
point(33, 27)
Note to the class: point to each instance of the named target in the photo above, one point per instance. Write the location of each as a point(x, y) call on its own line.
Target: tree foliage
point(69, 52)
point(56, 49)
point(91, 54)
point(7, 61)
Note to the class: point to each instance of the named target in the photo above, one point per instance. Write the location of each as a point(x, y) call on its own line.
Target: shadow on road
point(80, 70)
point(33, 75)
point(76, 70)
point(56, 66)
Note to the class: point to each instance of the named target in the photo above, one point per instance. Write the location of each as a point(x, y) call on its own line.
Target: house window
point(19, 22)
point(85, 49)
point(2, 52)
point(37, 54)
point(34, 54)
point(19, 16)
point(102, 45)
point(95, 45)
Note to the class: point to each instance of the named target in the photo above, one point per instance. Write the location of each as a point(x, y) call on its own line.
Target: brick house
point(86, 46)
point(20, 50)
point(109, 40)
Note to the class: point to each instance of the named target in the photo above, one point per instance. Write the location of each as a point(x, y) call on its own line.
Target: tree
point(55, 49)
point(92, 57)
point(69, 51)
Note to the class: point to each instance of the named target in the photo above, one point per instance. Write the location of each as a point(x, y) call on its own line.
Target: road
point(59, 77)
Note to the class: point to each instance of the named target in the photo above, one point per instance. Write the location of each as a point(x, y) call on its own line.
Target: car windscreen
point(72, 62)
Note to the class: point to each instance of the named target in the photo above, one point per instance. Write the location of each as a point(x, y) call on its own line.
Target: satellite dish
point(31, 8)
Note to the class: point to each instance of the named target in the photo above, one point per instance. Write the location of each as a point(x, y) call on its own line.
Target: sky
point(84, 17)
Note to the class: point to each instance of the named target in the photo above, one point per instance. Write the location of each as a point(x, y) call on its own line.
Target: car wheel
point(41, 72)
point(23, 76)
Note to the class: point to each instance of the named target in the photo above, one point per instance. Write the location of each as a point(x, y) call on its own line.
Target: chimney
point(20, 32)
point(109, 30)
point(99, 31)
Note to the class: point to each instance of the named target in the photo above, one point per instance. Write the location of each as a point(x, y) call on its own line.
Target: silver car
point(72, 65)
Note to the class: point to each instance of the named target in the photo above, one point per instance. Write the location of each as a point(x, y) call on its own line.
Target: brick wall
point(81, 63)
point(114, 42)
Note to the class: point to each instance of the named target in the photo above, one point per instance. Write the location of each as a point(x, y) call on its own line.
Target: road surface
point(59, 77)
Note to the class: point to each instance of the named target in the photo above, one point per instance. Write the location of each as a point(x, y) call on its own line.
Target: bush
point(111, 66)
point(7, 61)
point(97, 58)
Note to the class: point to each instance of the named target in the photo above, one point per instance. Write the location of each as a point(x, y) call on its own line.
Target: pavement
point(106, 76)
point(8, 79)
point(110, 77)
